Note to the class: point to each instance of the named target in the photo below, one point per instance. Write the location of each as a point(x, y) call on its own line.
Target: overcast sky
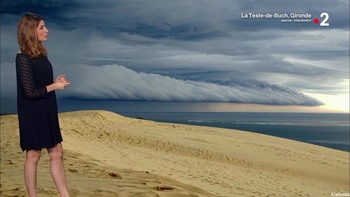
point(190, 50)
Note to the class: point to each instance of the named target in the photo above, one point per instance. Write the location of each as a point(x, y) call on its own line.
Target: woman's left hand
point(62, 78)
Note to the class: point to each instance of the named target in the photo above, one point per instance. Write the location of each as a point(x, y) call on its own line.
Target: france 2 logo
point(324, 16)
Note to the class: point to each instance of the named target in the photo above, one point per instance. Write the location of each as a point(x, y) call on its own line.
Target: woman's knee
point(56, 152)
point(33, 156)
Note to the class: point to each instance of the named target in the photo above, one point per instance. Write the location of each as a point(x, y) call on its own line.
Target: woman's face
point(41, 31)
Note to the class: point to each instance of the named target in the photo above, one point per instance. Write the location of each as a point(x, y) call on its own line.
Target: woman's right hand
point(60, 85)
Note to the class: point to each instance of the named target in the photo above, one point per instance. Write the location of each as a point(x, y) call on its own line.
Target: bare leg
point(30, 169)
point(57, 169)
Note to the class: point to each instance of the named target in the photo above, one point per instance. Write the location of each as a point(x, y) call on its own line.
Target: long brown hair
point(27, 37)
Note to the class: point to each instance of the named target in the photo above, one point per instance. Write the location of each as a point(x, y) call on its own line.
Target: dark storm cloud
point(178, 20)
point(196, 44)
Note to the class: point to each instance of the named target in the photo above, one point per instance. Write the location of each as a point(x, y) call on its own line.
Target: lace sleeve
point(26, 79)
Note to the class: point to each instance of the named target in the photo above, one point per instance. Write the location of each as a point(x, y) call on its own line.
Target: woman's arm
point(26, 79)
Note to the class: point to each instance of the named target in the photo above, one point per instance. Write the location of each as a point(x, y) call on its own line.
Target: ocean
point(325, 129)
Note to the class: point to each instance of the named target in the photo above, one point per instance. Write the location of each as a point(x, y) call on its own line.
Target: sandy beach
point(110, 155)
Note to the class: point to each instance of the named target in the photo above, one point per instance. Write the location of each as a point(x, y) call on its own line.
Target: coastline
point(187, 160)
point(324, 129)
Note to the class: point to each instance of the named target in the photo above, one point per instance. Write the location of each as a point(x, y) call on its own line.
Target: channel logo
point(324, 20)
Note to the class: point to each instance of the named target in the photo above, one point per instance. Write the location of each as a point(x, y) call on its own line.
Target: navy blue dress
point(36, 108)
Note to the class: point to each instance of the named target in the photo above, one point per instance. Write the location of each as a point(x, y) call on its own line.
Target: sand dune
point(110, 155)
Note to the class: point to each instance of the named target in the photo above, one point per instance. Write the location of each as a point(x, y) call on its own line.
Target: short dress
point(37, 109)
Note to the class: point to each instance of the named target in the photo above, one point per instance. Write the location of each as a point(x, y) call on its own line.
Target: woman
point(36, 103)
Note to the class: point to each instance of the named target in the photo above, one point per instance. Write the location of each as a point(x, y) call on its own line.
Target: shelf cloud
point(120, 83)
